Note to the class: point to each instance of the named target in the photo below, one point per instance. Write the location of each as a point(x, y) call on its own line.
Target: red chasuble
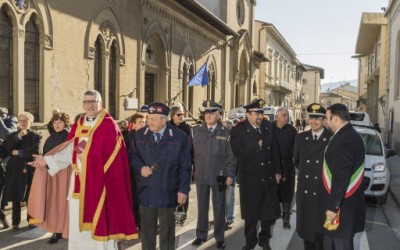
point(103, 183)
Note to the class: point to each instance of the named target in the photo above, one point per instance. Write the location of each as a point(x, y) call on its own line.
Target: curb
point(396, 200)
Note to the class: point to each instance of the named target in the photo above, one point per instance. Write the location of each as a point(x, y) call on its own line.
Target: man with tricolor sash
point(342, 211)
point(100, 200)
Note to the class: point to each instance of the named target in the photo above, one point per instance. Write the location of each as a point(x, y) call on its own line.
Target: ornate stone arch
point(43, 19)
point(11, 12)
point(155, 29)
point(105, 24)
point(155, 65)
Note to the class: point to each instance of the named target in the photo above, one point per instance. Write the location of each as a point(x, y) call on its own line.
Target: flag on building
point(200, 78)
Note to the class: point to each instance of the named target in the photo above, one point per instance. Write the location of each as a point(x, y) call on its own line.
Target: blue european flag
point(200, 78)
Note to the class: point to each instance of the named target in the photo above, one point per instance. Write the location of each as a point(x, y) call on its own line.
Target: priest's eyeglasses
point(93, 102)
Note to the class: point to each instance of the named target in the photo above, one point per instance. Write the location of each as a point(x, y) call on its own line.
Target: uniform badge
point(306, 138)
point(315, 107)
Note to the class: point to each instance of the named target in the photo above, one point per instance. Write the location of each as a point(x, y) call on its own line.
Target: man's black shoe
point(54, 238)
point(266, 247)
point(221, 244)
point(5, 224)
point(286, 225)
point(198, 242)
point(247, 247)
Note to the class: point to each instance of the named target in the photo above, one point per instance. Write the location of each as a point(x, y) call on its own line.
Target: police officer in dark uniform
point(215, 168)
point(161, 158)
point(255, 149)
point(285, 135)
point(308, 158)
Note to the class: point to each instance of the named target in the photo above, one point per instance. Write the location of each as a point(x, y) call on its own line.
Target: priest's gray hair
point(92, 92)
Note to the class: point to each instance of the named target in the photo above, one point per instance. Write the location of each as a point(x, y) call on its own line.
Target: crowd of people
point(96, 183)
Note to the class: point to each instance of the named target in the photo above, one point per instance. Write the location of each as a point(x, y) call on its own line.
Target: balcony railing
point(284, 84)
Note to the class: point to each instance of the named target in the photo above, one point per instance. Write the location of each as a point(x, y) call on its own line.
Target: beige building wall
point(277, 75)
point(311, 86)
point(362, 75)
point(372, 42)
point(152, 37)
point(393, 80)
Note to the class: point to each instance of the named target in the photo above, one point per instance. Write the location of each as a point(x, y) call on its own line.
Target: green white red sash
point(355, 180)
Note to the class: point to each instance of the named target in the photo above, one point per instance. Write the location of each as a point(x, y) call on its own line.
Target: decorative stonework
point(48, 42)
point(107, 30)
point(122, 60)
point(22, 6)
point(92, 51)
point(21, 33)
point(183, 23)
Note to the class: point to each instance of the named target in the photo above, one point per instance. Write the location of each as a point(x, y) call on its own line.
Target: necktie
point(210, 129)
point(158, 137)
point(315, 137)
point(258, 131)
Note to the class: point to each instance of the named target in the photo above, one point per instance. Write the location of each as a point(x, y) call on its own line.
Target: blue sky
point(323, 33)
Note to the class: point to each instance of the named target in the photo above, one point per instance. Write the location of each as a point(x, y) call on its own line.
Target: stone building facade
point(371, 48)
point(280, 77)
point(132, 51)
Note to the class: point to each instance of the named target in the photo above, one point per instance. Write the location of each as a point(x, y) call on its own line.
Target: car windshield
point(357, 116)
point(373, 144)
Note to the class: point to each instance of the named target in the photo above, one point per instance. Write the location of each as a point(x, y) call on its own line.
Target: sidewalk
point(394, 185)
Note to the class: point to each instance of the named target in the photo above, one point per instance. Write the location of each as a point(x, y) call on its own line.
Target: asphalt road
point(382, 232)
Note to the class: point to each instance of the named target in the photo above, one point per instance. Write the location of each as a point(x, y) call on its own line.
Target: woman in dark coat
point(176, 114)
point(20, 146)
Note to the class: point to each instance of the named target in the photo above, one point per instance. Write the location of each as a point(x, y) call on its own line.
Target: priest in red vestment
point(100, 196)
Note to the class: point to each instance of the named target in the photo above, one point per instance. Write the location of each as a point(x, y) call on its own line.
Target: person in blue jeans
point(230, 191)
point(230, 204)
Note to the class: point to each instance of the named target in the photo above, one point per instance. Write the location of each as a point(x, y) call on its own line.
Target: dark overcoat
point(257, 169)
point(285, 137)
point(19, 175)
point(160, 189)
point(344, 154)
point(308, 159)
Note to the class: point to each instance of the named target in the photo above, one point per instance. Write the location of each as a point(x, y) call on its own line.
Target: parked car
point(376, 171)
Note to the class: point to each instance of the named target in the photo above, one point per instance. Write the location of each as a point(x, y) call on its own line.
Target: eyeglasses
point(87, 102)
point(179, 115)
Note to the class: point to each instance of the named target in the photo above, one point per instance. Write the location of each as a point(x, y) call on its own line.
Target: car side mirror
point(389, 152)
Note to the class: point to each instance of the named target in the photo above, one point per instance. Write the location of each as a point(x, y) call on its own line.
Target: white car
point(376, 171)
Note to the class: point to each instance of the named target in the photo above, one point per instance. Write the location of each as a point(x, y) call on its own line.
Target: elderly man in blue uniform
point(308, 158)
point(161, 158)
point(215, 169)
point(341, 196)
point(256, 151)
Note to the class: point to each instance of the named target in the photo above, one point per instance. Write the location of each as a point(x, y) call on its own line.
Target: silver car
point(377, 174)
